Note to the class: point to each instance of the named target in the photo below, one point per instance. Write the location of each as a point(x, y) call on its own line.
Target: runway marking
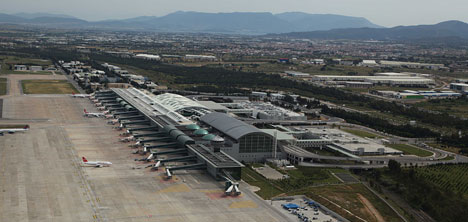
point(175, 188)
point(244, 204)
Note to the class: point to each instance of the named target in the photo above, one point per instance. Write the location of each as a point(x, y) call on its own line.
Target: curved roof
point(200, 132)
point(228, 125)
point(192, 127)
point(176, 102)
point(212, 137)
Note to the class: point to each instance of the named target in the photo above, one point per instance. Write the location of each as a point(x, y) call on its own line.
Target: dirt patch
point(370, 208)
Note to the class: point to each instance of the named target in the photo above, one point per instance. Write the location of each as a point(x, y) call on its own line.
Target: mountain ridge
point(452, 28)
point(256, 23)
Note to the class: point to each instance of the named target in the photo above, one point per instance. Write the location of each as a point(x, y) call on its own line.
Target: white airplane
point(80, 95)
point(13, 130)
point(112, 122)
point(96, 163)
point(87, 114)
point(127, 139)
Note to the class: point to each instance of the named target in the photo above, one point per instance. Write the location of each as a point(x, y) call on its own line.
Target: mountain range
point(233, 23)
point(287, 25)
point(443, 30)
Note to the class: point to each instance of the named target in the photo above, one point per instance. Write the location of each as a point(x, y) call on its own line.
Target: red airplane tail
point(85, 111)
point(26, 127)
point(84, 159)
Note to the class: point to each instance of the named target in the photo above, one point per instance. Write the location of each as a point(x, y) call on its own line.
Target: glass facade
point(255, 143)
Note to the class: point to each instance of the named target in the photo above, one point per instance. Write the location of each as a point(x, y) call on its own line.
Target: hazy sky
point(382, 12)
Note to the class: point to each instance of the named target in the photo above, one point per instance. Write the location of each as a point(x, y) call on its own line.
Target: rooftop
point(229, 125)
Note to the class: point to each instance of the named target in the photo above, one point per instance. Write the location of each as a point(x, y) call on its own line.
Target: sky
point(387, 13)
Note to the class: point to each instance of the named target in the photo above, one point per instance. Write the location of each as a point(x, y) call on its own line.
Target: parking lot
point(304, 213)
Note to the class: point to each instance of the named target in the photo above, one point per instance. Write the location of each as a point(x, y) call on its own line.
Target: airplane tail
point(26, 127)
point(85, 111)
point(84, 159)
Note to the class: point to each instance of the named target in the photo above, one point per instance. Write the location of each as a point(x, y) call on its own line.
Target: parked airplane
point(80, 95)
point(13, 130)
point(87, 114)
point(95, 163)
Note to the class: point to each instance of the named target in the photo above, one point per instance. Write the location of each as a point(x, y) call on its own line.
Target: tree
point(394, 166)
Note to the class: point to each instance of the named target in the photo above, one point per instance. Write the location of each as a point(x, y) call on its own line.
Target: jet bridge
point(160, 139)
point(143, 122)
point(131, 117)
point(174, 159)
point(174, 151)
point(166, 145)
point(125, 113)
point(142, 129)
point(149, 134)
point(196, 166)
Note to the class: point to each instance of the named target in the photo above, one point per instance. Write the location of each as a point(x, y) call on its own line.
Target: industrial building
point(463, 87)
point(414, 65)
point(378, 80)
point(297, 74)
point(411, 94)
point(148, 57)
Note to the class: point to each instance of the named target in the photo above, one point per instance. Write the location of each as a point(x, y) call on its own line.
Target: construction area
point(163, 168)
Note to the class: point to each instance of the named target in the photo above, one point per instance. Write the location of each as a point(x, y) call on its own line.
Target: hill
point(233, 23)
point(438, 31)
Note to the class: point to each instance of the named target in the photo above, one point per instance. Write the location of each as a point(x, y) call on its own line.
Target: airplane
point(96, 163)
point(112, 122)
point(80, 95)
point(127, 139)
point(14, 130)
point(87, 114)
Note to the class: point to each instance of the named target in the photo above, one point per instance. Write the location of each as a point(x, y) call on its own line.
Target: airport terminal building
point(243, 141)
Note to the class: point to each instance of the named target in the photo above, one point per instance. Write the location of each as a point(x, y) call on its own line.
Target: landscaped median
point(362, 133)
point(3, 86)
point(47, 87)
point(410, 150)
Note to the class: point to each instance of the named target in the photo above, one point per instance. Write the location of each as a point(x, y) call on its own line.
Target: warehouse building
point(377, 80)
point(463, 87)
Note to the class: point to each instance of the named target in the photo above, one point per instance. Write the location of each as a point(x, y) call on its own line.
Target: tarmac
point(42, 178)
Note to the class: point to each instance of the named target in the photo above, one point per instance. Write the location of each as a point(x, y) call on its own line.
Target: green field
point(267, 189)
point(362, 133)
point(3, 86)
point(449, 177)
point(8, 63)
point(410, 150)
point(47, 87)
point(352, 198)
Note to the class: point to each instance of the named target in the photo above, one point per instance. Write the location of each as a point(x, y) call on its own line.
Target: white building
point(369, 63)
point(201, 57)
point(21, 68)
point(148, 56)
point(297, 74)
